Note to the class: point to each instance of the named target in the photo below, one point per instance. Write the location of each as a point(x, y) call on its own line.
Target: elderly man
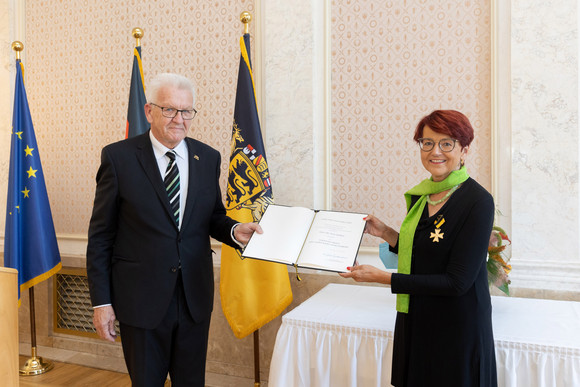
point(149, 260)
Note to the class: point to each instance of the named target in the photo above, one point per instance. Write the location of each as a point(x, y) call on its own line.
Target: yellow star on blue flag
point(31, 172)
point(28, 151)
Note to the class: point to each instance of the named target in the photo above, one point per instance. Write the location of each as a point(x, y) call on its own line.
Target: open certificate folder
point(301, 237)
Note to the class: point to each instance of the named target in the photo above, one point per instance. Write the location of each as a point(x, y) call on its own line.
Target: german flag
point(136, 120)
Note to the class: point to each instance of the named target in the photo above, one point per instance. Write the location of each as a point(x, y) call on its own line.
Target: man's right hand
point(104, 321)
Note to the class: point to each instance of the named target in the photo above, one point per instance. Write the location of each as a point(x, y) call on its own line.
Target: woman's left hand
point(367, 273)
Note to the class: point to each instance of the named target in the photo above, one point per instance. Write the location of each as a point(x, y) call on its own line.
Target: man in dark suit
point(149, 260)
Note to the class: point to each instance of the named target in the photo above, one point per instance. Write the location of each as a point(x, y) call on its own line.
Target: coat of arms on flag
point(249, 178)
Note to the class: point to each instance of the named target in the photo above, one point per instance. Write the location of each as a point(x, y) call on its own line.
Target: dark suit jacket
point(135, 246)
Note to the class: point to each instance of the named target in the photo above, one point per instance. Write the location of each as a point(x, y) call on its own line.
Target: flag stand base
point(35, 365)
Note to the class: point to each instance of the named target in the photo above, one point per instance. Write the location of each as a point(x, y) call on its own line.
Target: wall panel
point(78, 68)
point(392, 63)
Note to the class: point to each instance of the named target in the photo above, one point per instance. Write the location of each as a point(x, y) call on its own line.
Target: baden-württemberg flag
point(136, 120)
point(253, 292)
point(30, 241)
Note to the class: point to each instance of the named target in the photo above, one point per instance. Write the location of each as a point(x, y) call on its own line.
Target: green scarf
point(407, 233)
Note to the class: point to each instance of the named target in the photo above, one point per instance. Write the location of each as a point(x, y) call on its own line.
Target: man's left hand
point(244, 231)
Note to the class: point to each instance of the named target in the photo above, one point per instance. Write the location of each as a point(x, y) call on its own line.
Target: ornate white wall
point(545, 144)
point(289, 96)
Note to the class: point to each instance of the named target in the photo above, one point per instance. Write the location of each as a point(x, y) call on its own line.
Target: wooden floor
point(64, 374)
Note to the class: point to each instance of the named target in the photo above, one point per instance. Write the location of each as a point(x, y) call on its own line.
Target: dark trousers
point(178, 346)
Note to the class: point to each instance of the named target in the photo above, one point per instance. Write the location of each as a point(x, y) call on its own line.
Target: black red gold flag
point(136, 120)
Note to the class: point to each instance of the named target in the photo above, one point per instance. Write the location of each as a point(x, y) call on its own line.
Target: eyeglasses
point(170, 112)
point(446, 144)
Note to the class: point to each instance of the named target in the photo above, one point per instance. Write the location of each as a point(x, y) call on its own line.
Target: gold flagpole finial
point(17, 46)
point(137, 34)
point(246, 18)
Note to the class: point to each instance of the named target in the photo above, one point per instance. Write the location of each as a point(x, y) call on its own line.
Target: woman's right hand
point(375, 227)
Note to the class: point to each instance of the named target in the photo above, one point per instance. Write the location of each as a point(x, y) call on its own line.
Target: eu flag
point(136, 120)
point(30, 241)
point(253, 292)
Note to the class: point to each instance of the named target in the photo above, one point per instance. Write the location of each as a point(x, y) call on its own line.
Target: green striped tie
point(171, 181)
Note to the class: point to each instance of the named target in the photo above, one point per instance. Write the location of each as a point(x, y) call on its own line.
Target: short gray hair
point(168, 79)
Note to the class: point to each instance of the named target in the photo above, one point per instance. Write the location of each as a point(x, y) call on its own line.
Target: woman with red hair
point(443, 331)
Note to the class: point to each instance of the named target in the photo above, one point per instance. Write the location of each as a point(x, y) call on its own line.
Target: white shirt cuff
point(100, 306)
point(234, 238)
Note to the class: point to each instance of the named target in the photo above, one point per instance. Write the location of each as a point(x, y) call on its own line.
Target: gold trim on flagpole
point(17, 47)
point(137, 34)
point(246, 18)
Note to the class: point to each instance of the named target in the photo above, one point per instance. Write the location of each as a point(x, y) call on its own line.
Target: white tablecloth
point(343, 336)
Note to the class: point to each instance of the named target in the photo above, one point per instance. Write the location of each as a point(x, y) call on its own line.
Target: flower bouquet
point(498, 268)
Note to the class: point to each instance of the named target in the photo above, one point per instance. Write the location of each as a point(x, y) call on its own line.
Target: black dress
point(446, 339)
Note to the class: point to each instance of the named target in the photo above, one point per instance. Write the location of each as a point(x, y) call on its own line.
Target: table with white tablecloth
point(343, 336)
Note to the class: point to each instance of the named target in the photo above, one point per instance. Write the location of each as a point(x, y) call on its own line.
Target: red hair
point(450, 122)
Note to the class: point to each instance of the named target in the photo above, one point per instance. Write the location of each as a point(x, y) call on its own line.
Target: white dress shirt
point(182, 160)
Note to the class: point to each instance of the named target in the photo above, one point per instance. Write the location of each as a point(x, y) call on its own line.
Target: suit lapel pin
point(196, 157)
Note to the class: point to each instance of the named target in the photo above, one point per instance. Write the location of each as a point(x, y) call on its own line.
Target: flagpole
point(137, 34)
point(246, 18)
point(257, 358)
point(17, 47)
point(34, 365)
